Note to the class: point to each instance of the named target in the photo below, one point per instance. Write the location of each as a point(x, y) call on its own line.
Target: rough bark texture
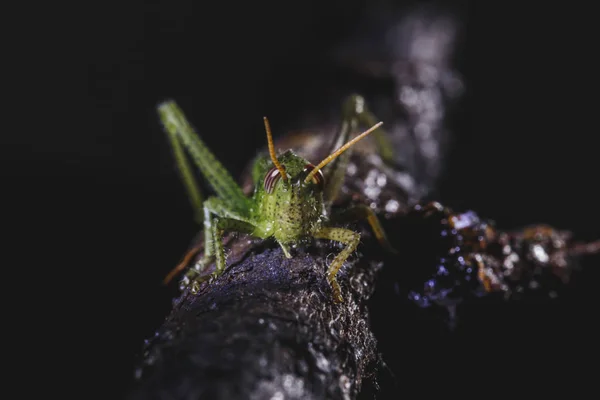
point(266, 329)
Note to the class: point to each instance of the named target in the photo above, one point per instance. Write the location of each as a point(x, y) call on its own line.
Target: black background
point(101, 215)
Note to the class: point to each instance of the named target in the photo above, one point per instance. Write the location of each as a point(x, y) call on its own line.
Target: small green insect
point(291, 201)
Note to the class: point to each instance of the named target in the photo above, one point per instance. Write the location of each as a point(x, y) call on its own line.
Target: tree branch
point(266, 329)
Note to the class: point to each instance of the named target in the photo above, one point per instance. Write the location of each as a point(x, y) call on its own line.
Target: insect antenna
point(339, 151)
point(272, 151)
point(183, 264)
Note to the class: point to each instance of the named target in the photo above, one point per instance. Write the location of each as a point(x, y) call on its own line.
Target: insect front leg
point(286, 250)
point(213, 207)
point(196, 273)
point(217, 227)
point(354, 113)
point(206, 259)
point(351, 239)
point(218, 217)
point(365, 213)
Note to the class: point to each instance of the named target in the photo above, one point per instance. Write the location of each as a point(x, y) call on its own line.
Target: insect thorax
point(289, 210)
point(294, 214)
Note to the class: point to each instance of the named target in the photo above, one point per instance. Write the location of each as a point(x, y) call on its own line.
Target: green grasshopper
point(291, 201)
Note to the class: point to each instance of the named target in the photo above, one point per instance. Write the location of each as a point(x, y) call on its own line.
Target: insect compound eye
point(318, 179)
point(271, 179)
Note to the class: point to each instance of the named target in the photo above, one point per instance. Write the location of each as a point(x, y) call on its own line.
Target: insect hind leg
point(355, 113)
point(186, 174)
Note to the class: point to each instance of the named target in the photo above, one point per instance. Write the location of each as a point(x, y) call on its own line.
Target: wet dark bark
point(268, 328)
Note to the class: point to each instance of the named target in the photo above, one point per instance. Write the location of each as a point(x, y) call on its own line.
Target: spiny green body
point(291, 212)
point(291, 208)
